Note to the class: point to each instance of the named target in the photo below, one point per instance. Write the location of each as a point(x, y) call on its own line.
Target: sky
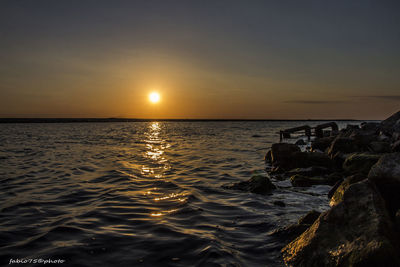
point(207, 59)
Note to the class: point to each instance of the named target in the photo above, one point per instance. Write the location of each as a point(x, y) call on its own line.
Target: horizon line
point(111, 119)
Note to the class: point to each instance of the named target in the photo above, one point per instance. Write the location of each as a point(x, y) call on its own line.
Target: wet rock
point(391, 124)
point(310, 217)
point(379, 147)
point(360, 162)
point(268, 157)
point(355, 232)
point(310, 171)
point(282, 152)
point(321, 144)
point(305, 181)
point(292, 231)
point(300, 142)
point(386, 175)
point(337, 195)
point(362, 139)
point(339, 159)
point(279, 203)
point(396, 146)
point(370, 126)
point(342, 145)
point(258, 184)
point(289, 156)
point(310, 159)
point(334, 188)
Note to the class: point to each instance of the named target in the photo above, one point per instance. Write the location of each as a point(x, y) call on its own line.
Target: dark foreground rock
point(386, 175)
point(356, 232)
point(360, 162)
point(258, 184)
point(304, 181)
point(292, 231)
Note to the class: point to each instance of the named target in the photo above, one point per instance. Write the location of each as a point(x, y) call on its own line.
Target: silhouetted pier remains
point(308, 131)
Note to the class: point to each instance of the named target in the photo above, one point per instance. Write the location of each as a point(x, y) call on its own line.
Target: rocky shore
point(362, 227)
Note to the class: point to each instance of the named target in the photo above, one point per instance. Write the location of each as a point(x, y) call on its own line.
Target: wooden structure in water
point(318, 130)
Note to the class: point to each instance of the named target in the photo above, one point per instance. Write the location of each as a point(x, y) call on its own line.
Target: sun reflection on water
point(156, 166)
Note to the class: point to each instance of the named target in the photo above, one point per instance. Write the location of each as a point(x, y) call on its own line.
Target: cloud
point(315, 102)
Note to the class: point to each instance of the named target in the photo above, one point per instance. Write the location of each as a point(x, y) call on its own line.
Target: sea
point(144, 194)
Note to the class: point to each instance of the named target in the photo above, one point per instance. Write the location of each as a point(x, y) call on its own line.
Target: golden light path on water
point(155, 146)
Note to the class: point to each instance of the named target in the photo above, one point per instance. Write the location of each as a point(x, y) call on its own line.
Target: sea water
point(144, 194)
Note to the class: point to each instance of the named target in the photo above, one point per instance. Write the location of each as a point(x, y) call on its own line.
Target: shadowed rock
point(321, 144)
point(379, 147)
point(305, 181)
point(290, 232)
point(337, 195)
point(342, 145)
point(386, 175)
point(360, 162)
point(257, 184)
point(355, 232)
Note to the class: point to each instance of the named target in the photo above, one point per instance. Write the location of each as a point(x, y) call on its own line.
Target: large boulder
point(360, 162)
point(290, 232)
point(396, 146)
point(379, 147)
point(289, 156)
point(305, 181)
point(343, 145)
point(391, 124)
point(310, 171)
point(356, 232)
point(370, 126)
point(282, 152)
point(321, 144)
point(337, 195)
point(386, 175)
point(362, 139)
point(309, 159)
point(258, 184)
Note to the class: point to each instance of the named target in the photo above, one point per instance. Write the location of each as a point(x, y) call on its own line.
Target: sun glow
point(154, 97)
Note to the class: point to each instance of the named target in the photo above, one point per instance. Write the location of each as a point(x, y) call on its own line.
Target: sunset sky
point(206, 59)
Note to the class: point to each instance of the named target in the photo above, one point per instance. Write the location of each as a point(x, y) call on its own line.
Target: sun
point(154, 97)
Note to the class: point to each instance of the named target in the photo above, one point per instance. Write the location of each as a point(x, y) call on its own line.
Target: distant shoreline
point(74, 120)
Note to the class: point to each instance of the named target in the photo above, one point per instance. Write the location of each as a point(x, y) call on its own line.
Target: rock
point(355, 232)
point(322, 143)
point(300, 142)
point(268, 157)
point(362, 139)
point(360, 162)
point(310, 159)
point(339, 159)
point(343, 145)
point(282, 152)
point(289, 156)
point(386, 175)
point(334, 188)
point(390, 123)
point(337, 195)
point(257, 184)
point(396, 146)
point(279, 203)
point(305, 181)
point(379, 147)
point(310, 171)
point(370, 126)
point(310, 217)
point(292, 231)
